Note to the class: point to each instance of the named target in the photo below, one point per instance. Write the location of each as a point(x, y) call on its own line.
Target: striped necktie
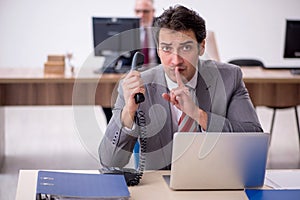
point(186, 123)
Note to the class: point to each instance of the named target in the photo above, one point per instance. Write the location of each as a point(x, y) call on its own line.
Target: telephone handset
point(138, 60)
point(133, 176)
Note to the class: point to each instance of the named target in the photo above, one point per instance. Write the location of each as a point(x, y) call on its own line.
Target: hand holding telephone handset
point(133, 176)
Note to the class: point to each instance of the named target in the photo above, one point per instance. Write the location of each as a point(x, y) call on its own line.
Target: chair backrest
point(246, 62)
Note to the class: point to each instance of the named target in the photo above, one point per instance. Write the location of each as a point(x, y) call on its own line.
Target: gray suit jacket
point(220, 92)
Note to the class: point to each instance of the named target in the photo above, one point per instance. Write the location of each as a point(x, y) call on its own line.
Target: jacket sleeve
point(118, 142)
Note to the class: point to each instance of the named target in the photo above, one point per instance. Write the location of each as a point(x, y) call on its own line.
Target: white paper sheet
point(283, 179)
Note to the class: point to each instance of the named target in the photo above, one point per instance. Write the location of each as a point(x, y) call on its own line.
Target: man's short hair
point(180, 18)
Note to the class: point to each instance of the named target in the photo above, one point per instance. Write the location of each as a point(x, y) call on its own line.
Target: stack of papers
point(62, 185)
point(283, 179)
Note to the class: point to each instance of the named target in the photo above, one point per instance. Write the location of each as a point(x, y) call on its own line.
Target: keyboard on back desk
point(294, 69)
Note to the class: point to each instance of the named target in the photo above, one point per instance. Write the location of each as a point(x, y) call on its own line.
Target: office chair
point(247, 62)
point(256, 62)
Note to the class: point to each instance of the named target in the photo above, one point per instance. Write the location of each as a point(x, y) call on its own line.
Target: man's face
point(179, 49)
point(145, 11)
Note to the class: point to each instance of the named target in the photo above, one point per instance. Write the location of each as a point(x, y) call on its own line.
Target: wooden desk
point(27, 86)
point(152, 186)
point(272, 87)
point(30, 86)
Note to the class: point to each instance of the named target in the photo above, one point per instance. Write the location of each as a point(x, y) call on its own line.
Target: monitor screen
point(115, 35)
point(292, 39)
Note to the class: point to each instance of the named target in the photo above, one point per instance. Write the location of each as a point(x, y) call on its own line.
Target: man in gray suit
point(221, 102)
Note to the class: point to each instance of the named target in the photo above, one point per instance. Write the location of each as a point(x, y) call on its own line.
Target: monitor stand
point(113, 64)
point(109, 64)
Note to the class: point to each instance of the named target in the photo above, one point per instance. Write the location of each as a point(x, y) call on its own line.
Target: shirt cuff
point(130, 129)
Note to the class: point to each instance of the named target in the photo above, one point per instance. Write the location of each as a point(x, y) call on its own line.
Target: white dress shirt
point(176, 113)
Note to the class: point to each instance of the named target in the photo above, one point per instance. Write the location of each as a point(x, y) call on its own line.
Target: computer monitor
point(292, 39)
point(117, 39)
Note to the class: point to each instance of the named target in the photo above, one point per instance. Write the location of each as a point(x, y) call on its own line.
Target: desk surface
point(261, 75)
point(37, 75)
point(152, 187)
point(251, 75)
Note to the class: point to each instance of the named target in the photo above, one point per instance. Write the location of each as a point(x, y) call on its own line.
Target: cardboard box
point(56, 58)
point(54, 67)
point(55, 64)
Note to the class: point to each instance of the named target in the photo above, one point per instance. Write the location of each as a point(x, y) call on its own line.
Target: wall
point(31, 29)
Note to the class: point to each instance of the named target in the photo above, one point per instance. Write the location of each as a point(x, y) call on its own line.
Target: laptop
point(218, 161)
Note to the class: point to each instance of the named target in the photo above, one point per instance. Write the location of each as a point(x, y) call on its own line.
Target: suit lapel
point(205, 87)
point(211, 81)
point(158, 87)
